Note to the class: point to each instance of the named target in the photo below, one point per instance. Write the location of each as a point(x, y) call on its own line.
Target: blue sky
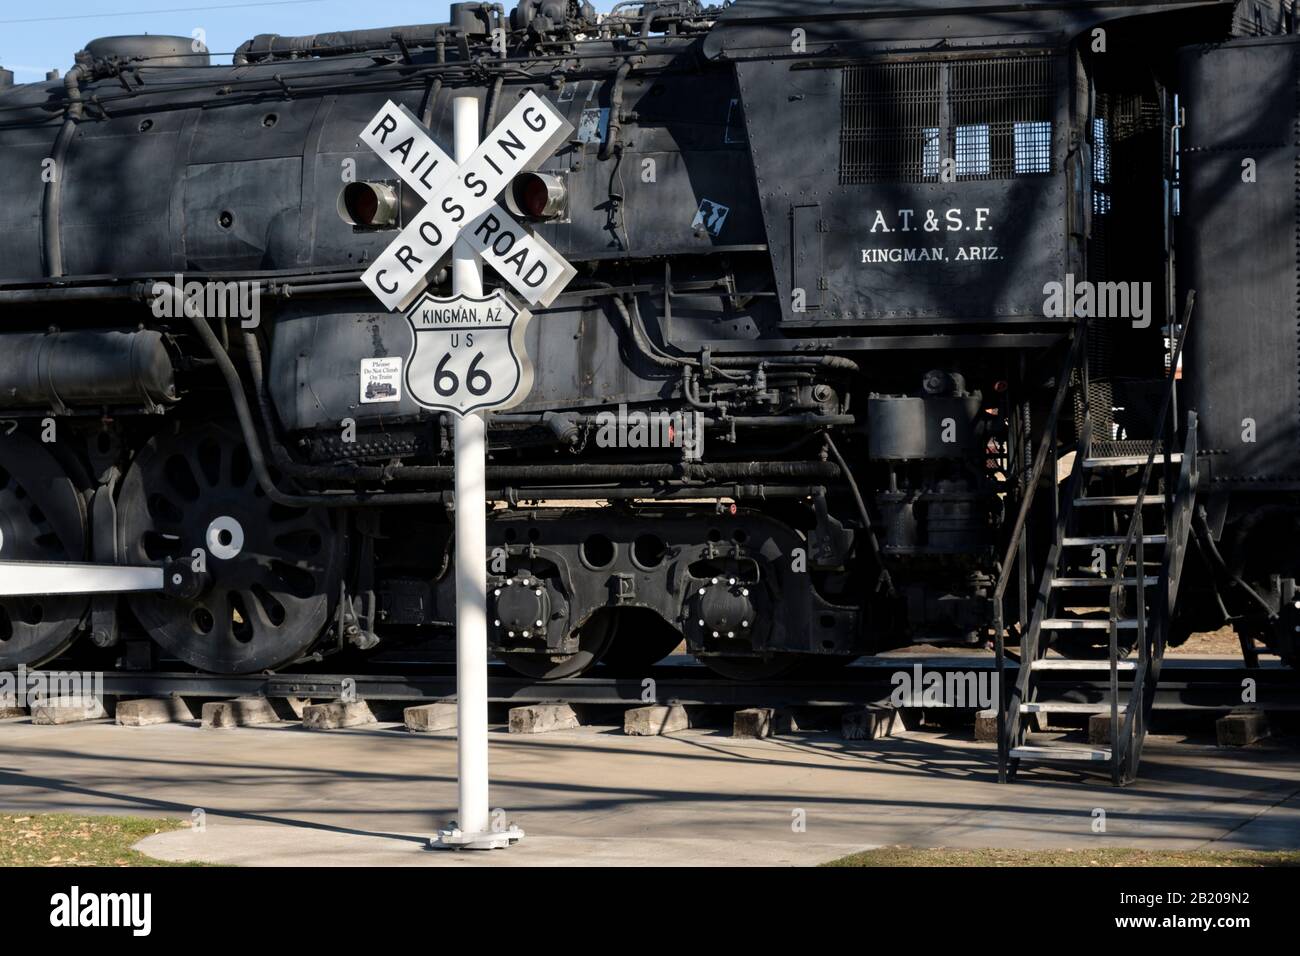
point(37, 37)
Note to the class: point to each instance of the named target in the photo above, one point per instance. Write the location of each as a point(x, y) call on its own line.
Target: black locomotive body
point(821, 238)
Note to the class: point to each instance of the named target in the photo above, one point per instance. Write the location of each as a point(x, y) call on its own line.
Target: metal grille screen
point(992, 118)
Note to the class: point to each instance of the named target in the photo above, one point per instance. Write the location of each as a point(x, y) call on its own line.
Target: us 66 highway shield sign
point(468, 353)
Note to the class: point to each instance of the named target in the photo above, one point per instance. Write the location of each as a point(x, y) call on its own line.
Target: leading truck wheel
point(270, 570)
point(42, 518)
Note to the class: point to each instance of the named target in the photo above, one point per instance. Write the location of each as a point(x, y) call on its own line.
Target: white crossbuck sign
point(461, 203)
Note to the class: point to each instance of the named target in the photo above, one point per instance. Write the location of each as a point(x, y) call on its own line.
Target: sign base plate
point(454, 839)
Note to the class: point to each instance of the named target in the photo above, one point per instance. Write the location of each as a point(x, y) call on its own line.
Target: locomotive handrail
point(1162, 418)
point(1017, 546)
point(1122, 739)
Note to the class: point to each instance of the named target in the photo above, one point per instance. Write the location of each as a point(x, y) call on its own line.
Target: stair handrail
point(1119, 754)
point(1017, 545)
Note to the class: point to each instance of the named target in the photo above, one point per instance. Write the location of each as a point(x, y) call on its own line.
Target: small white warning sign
point(381, 380)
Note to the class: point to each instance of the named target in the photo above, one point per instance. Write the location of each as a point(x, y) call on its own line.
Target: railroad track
point(1187, 684)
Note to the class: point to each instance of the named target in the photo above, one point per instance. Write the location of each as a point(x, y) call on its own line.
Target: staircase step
point(1115, 501)
point(1098, 754)
point(1071, 664)
point(1127, 461)
point(1149, 582)
point(1087, 624)
point(1111, 539)
point(1067, 707)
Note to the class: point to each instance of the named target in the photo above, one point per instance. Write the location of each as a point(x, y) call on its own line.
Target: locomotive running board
point(23, 578)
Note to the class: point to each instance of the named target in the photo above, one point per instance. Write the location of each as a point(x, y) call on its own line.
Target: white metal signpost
point(467, 356)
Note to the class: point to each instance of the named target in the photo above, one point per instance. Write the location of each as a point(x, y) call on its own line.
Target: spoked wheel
point(42, 518)
point(751, 668)
point(593, 641)
point(271, 570)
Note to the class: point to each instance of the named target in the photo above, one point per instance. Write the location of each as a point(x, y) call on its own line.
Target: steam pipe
point(494, 101)
point(52, 243)
point(615, 110)
point(863, 513)
point(631, 318)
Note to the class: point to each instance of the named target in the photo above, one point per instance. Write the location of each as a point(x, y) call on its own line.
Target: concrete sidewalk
point(279, 795)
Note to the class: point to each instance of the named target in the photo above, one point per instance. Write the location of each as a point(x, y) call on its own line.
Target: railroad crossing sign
point(468, 354)
point(461, 202)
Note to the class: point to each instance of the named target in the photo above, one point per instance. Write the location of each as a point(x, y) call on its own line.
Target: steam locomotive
point(851, 243)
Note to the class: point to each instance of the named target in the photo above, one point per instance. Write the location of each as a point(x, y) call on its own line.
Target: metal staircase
point(1096, 579)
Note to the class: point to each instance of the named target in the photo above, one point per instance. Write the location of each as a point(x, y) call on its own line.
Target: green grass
point(1101, 857)
point(65, 839)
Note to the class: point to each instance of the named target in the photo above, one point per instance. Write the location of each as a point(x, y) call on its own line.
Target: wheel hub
point(225, 537)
